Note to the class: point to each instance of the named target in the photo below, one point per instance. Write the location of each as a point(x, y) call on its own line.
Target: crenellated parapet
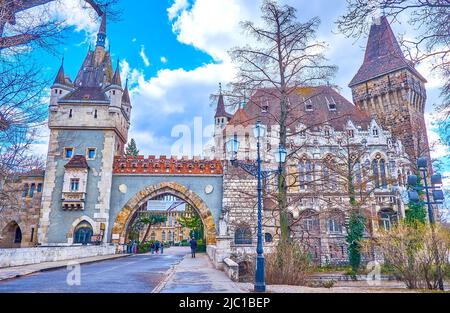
point(165, 165)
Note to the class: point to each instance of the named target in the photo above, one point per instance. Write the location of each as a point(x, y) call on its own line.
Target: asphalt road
point(133, 274)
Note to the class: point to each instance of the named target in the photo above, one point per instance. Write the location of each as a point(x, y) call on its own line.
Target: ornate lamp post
point(255, 170)
point(438, 196)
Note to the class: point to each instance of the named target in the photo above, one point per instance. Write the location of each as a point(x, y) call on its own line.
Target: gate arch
point(124, 217)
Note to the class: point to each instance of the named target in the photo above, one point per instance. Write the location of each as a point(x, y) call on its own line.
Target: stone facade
point(19, 220)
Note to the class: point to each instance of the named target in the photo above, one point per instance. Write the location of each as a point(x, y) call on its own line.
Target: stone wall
point(26, 256)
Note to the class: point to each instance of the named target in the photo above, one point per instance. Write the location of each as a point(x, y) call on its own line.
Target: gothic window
point(74, 184)
point(39, 187)
point(383, 173)
point(243, 235)
point(375, 173)
point(83, 233)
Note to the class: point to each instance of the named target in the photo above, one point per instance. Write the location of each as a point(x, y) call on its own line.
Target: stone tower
point(89, 120)
point(388, 87)
point(221, 119)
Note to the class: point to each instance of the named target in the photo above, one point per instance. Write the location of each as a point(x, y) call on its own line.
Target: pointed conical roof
point(126, 94)
point(101, 35)
point(220, 110)
point(383, 54)
point(116, 78)
point(60, 77)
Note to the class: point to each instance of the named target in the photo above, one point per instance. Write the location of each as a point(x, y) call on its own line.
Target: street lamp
point(232, 146)
point(437, 193)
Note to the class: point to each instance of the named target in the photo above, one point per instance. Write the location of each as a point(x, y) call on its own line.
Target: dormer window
point(327, 132)
point(351, 133)
point(114, 92)
point(264, 108)
point(302, 133)
point(308, 105)
point(331, 104)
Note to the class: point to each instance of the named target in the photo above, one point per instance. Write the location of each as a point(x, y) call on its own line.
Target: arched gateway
point(120, 227)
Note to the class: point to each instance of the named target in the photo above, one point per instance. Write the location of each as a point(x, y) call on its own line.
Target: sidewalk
point(18, 271)
point(196, 276)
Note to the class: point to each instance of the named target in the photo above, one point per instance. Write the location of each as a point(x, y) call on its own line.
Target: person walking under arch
point(193, 243)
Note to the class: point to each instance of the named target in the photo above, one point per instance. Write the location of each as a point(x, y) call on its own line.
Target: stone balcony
point(73, 201)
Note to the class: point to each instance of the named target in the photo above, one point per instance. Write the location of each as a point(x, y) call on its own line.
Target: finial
point(220, 88)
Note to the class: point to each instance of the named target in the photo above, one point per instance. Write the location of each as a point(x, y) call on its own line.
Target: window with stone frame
point(243, 235)
point(387, 218)
point(74, 184)
point(68, 153)
point(91, 153)
point(305, 169)
point(335, 222)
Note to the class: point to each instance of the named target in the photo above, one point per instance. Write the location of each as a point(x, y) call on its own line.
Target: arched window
point(163, 235)
point(243, 235)
point(268, 237)
point(375, 174)
point(83, 233)
point(153, 236)
point(309, 221)
point(383, 173)
point(32, 189)
point(18, 235)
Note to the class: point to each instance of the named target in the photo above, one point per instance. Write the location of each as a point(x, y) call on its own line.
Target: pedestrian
point(129, 247)
point(162, 247)
point(193, 243)
point(157, 246)
point(152, 248)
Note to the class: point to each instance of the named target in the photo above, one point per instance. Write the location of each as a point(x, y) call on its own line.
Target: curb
point(166, 279)
point(51, 268)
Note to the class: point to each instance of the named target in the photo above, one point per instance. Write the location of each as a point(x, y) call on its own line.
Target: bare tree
point(21, 26)
point(431, 18)
point(283, 56)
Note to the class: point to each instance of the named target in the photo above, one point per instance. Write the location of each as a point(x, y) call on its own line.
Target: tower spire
point(60, 77)
point(101, 36)
point(126, 94)
point(116, 78)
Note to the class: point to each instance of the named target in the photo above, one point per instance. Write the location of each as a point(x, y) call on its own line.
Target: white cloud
point(144, 56)
point(176, 7)
point(163, 60)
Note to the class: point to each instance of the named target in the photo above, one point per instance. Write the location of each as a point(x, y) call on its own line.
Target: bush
point(289, 264)
point(413, 254)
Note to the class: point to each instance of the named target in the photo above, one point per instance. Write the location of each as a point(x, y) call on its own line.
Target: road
point(132, 274)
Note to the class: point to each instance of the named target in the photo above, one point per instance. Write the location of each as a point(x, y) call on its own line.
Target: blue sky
point(174, 53)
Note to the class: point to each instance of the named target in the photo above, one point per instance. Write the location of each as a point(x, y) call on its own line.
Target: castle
point(91, 189)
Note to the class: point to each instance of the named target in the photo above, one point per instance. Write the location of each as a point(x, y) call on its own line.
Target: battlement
point(165, 165)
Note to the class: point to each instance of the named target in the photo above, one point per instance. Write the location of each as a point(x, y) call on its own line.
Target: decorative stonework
point(123, 219)
point(164, 165)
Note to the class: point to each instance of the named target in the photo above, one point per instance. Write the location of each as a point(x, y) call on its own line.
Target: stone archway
point(123, 219)
point(11, 236)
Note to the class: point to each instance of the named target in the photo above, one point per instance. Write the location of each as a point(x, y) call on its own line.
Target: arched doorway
point(126, 215)
point(83, 233)
point(11, 236)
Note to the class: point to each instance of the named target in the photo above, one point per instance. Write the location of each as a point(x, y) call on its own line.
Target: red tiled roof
point(318, 97)
point(383, 55)
point(77, 161)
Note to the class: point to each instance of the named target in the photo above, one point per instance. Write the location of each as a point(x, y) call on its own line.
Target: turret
point(115, 92)
point(126, 102)
point(221, 117)
point(61, 87)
